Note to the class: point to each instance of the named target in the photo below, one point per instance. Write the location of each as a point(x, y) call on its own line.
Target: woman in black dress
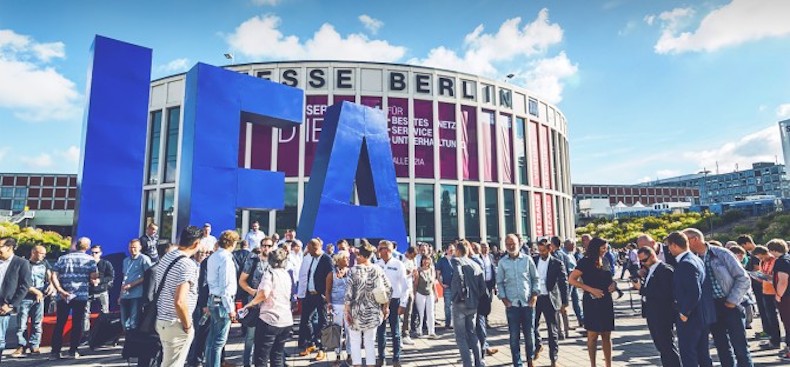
point(598, 285)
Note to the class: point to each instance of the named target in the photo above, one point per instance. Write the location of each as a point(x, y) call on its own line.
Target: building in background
point(474, 158)
point(764, 178)
point(39, 200)
point(593, 201)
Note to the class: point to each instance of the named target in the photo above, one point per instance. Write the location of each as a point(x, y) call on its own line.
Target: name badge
point(644, 299)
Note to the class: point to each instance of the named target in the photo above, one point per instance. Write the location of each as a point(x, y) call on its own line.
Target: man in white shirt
point(411, 266)
point(208, 241)
point(221, 279)
point(396, 273)
point(552, 297)
point(316, 265)
point(254, 236)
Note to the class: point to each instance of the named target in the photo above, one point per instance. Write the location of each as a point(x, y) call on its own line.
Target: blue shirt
point(221, 277)
point(134, 269)
point(443, 266)
point(609, 257)
point(38, 272)
point(517, 279)
point(74, 273)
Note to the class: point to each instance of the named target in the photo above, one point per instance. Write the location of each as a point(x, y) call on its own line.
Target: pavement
point(631, 341)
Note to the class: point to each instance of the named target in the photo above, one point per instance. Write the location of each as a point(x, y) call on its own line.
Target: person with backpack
point(468, 287)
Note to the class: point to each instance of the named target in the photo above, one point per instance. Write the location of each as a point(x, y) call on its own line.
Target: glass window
point(403, 192)
point(449, 212)
point(525, 229)
point(262, 216)
point(492, 216)
point(7, 192)
point(286, 218)
point(167, 213)
point(150, 207)
point(533, 107)
point(153, 152)
point(510, 211)
point(17, 205)
point(472, 213)
point(20, 192)
point(521, 150)
point(171, 146)
point(5, 204)
point(424, 213)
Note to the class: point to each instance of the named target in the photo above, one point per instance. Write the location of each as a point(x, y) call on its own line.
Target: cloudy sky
point(651, 89)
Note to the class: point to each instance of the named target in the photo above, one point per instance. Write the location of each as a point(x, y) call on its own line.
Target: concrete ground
point(632, 346)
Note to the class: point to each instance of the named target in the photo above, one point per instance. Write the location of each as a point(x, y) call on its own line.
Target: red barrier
point(48, 326)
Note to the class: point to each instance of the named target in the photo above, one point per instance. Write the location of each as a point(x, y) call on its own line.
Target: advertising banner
point(548, 218)
point(468, 143)
point(371, 101)
point(261, 154)
point(534, 153)
point(423, 139)
point(488, 138)
point(398, 126)
point(314, 118)
point(448, 169)
point(543, 146)
point(506, 137)
point(537, 200)
point(288, 151)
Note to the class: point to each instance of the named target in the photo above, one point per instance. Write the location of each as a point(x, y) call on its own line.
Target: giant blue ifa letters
point(211, 186)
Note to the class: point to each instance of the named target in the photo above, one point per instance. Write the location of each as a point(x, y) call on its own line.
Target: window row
point(46, 181)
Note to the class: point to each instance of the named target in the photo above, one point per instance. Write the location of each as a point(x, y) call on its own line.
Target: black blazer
point(106, 277)
point(323, 269)
point(556, 281)
point(658, 300)
point(16, 283)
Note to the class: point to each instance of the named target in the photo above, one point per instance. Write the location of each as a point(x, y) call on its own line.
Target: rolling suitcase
point(106, 330)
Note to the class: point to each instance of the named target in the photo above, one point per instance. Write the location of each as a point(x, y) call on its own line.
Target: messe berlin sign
point(353, 149)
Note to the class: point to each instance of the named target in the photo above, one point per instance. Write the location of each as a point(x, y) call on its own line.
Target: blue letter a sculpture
point(353, 136)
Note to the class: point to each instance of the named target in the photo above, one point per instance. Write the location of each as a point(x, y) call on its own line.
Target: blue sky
point(651, 89)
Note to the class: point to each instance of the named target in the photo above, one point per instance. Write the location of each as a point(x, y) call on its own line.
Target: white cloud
point(783, 111)
point(738, 22)
point(665, 173)
point(260, 37)
point(72, 154)
point(29, 87)
point(760, 146)
point(175, 66)
point(266, 2)
point(43, 160)
point(371, 24)
point(545, 76)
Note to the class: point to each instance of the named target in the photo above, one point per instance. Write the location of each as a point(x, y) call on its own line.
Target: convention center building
point(474, 158)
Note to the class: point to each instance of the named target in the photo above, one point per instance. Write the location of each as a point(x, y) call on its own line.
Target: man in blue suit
point(695, 307)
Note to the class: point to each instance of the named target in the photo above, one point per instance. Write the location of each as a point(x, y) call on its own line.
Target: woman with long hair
point(363, 314)
point(596, 281)
point(425, 289)
point(275, 321)
point(336, 285)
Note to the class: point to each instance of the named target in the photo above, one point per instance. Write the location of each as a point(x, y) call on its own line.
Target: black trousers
point(270, 344)
point(77, 310)
point(311, 334)
point(544, 307)
point(661, 331)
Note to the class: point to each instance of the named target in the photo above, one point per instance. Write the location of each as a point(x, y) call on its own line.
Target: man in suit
point(661, 250)
point(694, 304)
point(658, 305)
point(563, 324)
point(316, 265)
point(15, 281)
point(552, 296)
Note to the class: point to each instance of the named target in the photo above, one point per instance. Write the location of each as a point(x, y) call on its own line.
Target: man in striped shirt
point(178, 298)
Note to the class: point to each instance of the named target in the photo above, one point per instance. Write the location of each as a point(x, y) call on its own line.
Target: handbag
point(380, 292)
point(330, 334)
point(148, 317)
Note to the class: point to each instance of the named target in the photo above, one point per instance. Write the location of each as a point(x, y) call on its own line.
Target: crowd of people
point(690, 288)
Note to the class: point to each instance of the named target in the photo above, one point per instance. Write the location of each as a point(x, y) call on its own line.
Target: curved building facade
point(474, 158)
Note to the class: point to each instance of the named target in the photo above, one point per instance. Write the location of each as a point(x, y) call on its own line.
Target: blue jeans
point(217, 334)
point(576, 303)
point(3, 328)
point(448, 310)
point(130, 310)
point(482, 332)
point(381, 335)
point(466, 339)
point(249, 345)
point(35, 310)
point(521, 320)
point(729, 332)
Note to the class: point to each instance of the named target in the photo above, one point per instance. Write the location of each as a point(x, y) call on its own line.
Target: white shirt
point(221, 277)
point(632, 256)
point(254, 238)
point(680, 255)
point(207, 243)
point(411, 267)
point(396, 273)
point(304, 269)
point(4, 267)
point(313, 264)
point(295, 261)
point(543, 269)
point(487, 267)
point(650, 271)
point(662, 253)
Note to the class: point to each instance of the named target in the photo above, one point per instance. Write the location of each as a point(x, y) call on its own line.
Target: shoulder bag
point(148, 317)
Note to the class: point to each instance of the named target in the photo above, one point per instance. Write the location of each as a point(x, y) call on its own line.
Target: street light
point(509, 76)
point(229, 56)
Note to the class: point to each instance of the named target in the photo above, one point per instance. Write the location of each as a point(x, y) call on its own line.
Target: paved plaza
point(632, 346)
